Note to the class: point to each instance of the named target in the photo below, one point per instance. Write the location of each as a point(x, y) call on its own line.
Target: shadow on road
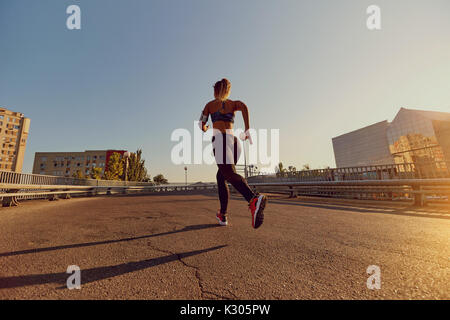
point(96, 274)
point(89, 244)
point(407, 211)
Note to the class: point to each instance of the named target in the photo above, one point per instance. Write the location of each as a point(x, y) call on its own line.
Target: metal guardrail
point(14, 192)
point(425, 170)
point(22, 186)
point(16, 186)
point(28, 178)
point(420, 191)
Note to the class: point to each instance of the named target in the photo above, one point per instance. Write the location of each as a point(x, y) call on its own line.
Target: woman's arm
point(240, 106)
point(204, 119)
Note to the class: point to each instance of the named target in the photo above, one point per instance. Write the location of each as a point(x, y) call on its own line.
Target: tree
point(159, 179)
point(114, 171)
point(280, 169)
point(136, 167)
point(96, 173)
point(148, 179)
point(78, 175)
point(306, 167)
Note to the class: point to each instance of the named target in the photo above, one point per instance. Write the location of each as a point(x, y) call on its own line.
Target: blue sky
point(139, 69)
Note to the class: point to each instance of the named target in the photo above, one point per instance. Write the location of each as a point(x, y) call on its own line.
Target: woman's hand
point(204, 120)
point(246, 136)
point(203, 126)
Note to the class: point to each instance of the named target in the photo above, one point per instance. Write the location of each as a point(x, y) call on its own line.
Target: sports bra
point(218, 116)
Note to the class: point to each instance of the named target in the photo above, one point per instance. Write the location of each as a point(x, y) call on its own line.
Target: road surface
point(170, 247)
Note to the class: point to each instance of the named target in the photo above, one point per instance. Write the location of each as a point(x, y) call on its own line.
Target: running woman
point(227, 150)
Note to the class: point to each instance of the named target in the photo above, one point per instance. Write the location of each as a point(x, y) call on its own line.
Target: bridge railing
point(21, 186)
point(423, 170)
point(27, 178)
point(16, 186)
point(420, 191)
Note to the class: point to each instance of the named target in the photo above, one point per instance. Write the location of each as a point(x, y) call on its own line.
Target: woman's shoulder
point(215, 104)
point(234, 101)
point(211, 103)
point(238, 104)
point(208, 106)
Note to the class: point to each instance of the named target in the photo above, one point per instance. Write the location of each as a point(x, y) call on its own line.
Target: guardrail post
point(92, 192)
point(108, 191)
point(292, 193)
point(10, 201)
point(53, 197)
point(65, 195)
point(419, 197)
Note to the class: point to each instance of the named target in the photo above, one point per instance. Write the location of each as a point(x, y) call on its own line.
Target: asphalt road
point(170, 247)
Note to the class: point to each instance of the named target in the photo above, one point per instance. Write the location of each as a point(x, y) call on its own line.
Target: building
point(14, 128)
point(414, 136)
point(362, 147)
point(66, 164)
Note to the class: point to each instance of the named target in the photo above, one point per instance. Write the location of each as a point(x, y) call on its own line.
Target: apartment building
point(14, 129)
point(65, 164)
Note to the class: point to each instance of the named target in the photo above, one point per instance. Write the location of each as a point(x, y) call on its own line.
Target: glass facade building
point(416, 137)
point(363, 147)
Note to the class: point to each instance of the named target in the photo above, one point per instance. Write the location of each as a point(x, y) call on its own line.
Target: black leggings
point(227, 171)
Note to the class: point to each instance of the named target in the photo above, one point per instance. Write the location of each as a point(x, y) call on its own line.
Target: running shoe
point(256, 206)
point(222, 218)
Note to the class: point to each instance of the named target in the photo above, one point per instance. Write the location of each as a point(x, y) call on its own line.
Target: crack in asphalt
point(203, 292)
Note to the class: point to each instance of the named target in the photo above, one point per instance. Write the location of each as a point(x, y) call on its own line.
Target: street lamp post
point(243, 137)
point(185, 176)
point(127, 157)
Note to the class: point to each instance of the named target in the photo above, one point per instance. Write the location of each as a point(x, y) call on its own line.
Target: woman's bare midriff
point(223, 126)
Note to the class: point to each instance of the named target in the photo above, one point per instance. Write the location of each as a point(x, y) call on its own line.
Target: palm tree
point(280, 170)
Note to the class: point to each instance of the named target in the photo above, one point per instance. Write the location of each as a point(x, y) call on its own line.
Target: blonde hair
point(222, 89)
